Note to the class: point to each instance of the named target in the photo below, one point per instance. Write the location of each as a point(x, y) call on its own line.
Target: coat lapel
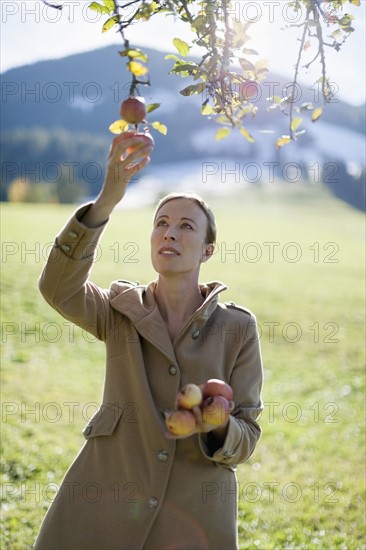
point(138, 304)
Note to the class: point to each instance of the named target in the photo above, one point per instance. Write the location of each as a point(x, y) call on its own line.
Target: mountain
point(60, 110)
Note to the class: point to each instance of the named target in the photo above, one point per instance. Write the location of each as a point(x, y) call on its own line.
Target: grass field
point(296, 258)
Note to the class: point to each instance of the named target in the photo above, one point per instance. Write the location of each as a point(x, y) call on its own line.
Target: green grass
point(304, 486)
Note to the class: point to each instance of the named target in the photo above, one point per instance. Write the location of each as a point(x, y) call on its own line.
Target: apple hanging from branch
point(133, 110)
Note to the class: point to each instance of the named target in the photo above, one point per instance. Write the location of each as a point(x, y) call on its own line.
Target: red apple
point(180, 422)
point(133, 110)
point(147, 137)
point(249, 89)
point(217, 387)
point(215, 410)
point(188, 396)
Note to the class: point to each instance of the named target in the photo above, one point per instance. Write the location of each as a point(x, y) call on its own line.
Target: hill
point(59, 111)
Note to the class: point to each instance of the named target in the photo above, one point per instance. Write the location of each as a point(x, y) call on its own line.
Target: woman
point(131, 486)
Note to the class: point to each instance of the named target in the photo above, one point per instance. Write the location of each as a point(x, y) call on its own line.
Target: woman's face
point(178, 238)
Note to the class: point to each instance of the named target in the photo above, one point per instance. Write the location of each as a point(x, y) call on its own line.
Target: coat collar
point(139, 305)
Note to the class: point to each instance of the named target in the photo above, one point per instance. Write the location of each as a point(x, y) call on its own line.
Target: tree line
point(57, 165)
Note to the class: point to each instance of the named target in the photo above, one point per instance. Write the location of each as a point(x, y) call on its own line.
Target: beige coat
point(130, 487)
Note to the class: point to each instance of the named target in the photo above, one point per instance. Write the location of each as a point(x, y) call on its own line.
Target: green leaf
point(246, 65)
point(152, 107)
point(199, 23)
point(222, 133)
point(249, 51)
point(160, 127)
point(118, 126)
point(98, 7)
point(307, 106)
point(247, 135)
point(295, 123)
point(297, 134)
point(275, 99)
point(110, 23)
point(345, 21)
point(109, 4)
point(262, 65)
point(172, 56)
point(189, 67)
point(336, 34)
point(182, 47)
point(283, 140)
point(193, 89)
point(316, 114)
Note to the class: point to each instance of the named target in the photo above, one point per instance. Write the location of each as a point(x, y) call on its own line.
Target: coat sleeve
point(64, 280)
point(243, 429)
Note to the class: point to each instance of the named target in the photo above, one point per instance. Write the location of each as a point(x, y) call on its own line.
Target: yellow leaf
point(160, 127)
point(207, 109)
point(222, 120)
point(316, 114)
point(135, 54)
point(247, 135)
point(97, 7)
point(222, 133)
point(136, 68)
point(262, 65)
point(355, 2)
point(295, 123)
point(110, 23)
point(118, 127)
point(283, 140)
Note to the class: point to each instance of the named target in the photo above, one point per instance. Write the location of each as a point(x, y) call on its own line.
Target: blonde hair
point(211, 223)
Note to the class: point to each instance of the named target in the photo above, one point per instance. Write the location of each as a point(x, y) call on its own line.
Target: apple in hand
point(180, 422)
point(215, 410)
point(214, 387)
point(146, 137)
point(188, 396)
point(133, 110)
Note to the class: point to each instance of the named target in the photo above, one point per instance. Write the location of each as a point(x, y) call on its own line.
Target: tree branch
point(302, 42)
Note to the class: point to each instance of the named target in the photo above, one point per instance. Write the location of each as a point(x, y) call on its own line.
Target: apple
point(180, 422)
point(215, 410)
point(215, 386)
point(147, 137)
point(133, 109)
point(188, 396)
point(248, 89)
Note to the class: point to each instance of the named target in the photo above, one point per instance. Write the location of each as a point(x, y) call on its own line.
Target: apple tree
point(229, 72)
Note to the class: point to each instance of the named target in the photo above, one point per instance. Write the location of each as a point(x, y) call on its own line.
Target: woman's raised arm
point(127, 156)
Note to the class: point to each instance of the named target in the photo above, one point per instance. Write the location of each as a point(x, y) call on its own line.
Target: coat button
point(229, 454)
point(196, 334)
point(152, 502)
point(173, 370)
point(162, 455)
point(73, 235)
point(66, 247)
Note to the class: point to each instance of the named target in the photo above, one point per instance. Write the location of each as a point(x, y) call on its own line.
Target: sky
point(32, 32)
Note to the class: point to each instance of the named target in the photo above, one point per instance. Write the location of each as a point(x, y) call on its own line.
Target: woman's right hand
point(128, 155)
